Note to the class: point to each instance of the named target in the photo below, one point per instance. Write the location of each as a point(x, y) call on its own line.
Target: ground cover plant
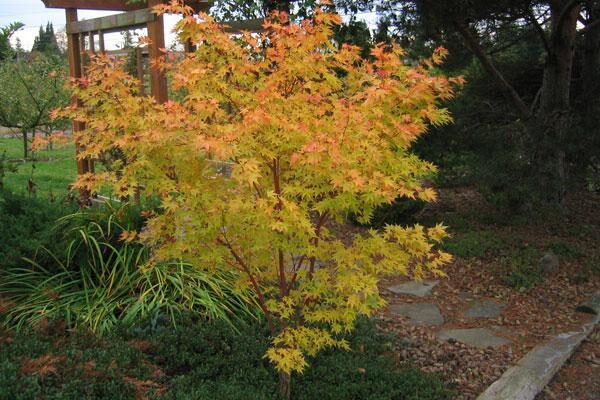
point(26, 227)
point(276, 118)
point(197, 360)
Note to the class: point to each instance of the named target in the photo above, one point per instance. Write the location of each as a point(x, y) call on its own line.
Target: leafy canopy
point(309, 133)
point(29, 90)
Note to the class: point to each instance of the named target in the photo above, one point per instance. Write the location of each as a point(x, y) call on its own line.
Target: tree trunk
point(554, 113)
point(591, 76)
point(285, 386)
point(25, 148)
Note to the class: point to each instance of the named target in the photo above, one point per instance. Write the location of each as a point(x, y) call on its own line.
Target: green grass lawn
point(53, 171)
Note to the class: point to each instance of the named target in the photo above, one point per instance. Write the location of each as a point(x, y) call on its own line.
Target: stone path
point(429, 314)
point(419, 313)
point(522, 381)
point(484, 309)
point(414, 288)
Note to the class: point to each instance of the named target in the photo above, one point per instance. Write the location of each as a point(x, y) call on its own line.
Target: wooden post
point(75, 71)
point(82, 55)
point(156, 34)
point(188, 46)
point(92, 44)
point(139, 58)
point(101, 41)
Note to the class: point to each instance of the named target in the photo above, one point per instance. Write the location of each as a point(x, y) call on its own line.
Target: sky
point(33, 14)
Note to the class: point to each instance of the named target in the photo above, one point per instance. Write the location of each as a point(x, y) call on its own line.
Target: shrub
point(273, 107)
point(199, 360)
point(206, 359)
point(26, 225)
point(521, 269)
point(565, 249)
point(6, 166)
point(474, 244)
point(33, 366)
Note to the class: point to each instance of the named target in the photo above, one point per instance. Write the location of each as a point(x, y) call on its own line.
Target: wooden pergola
point(132, 16)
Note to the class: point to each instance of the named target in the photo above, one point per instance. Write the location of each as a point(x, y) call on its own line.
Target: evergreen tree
point(46, 41)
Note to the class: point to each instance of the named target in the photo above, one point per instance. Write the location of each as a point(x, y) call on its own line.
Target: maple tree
point(310, 133)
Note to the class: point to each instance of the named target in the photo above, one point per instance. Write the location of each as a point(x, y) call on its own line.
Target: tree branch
point(283, 287)
point(538, 27)
point(261, 298)
point(565, 12)
point(509, 92)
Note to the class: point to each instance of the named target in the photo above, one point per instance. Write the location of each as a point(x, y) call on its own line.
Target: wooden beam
point(116, 5)
point(110, 5)
point(113, 23)
point(250, 25)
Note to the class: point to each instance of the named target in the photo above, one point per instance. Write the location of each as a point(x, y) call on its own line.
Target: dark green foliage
point(367, 372)
point(355, 33)
point(592, 175)
point(402, 211)
point(565, 249)
point(487, 146)
point(6, 51)
point(203, 361)
point(81, 367)
point(45, 42)
point(206, 359)
point(26, 226)
point(521, 269)
point(6, 166)
point(474, 244)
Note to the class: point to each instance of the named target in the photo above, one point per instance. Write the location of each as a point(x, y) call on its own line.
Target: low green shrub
point(200, 360)
point(565, 249)
point(76, 366)
point(26, 225)
point(521, 268)
point(6, 166)
point(204, 360)
point(474, 244)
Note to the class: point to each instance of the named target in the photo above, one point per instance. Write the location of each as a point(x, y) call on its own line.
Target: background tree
point(536, 129)
point(311, 133)
point(46, 42)
point(6, 33)
point(29, 90)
